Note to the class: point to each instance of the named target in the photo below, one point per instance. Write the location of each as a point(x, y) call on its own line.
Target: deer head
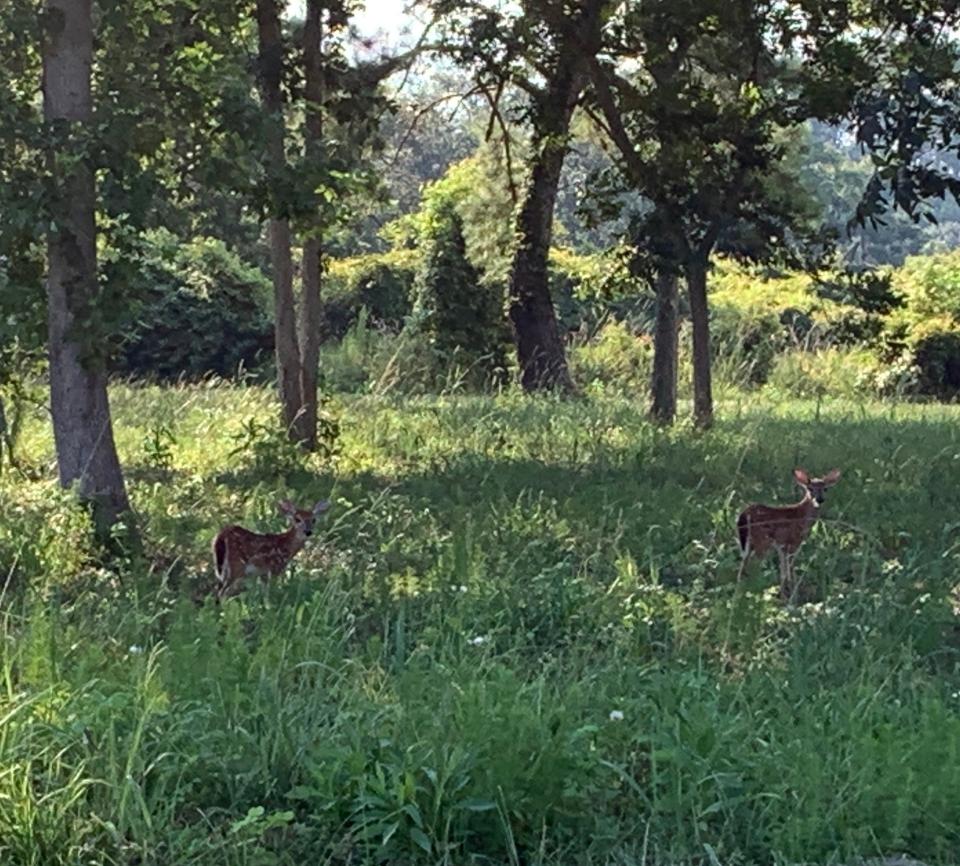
point(301, 519)
point(815, 487)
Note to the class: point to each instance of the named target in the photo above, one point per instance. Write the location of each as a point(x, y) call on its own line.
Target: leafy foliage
point(616, 360)
point(936, 355)
point(380, 283)
point(462, 315)
point(201, 311)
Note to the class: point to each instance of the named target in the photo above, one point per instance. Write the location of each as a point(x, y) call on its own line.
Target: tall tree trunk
point(82, 428)
point(663, 386)
point(540, 351)
point(270, 61)
point(310, 312)
point(696, 273)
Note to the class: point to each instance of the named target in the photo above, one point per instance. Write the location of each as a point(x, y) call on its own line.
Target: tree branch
point(496, 116)
point(426, 109)
point(601, 79)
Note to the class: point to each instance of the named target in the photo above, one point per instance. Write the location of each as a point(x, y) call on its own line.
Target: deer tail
point(743, 531)
point(219, 557)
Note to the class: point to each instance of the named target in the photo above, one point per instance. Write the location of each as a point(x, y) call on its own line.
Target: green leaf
point(389, 831)
point(414, 813)
point(477, 805)
point(420, 838)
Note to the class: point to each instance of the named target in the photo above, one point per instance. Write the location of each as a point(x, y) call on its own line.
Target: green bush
point(930, 285)
point(372, 360)
point(380, 283)
point(923, 337)
point(834, 372)
point(616, 359)
point(201, 310)
point(462, 314)
point(749, 340)
point(586, 288)
point(935, 352)
point(45, 534)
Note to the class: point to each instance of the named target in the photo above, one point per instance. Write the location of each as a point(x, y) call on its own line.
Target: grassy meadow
point(516, 639)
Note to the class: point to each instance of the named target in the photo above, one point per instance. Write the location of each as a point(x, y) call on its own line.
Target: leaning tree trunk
point(540, 350)
point(270, 61)
point(82, 429)
point(310, 312)
point(696, 272)
point(663, 386)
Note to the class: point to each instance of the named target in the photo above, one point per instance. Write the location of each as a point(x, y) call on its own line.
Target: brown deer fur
point(784, 527)
point(239, 553)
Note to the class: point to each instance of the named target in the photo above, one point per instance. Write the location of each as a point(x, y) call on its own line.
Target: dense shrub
point(751, 340)
point(935, 353)
point(834, 372)
point(381, 283)
point(474, 188)
point(922, 338)
point(372, 360)
point(930, 285)
point(200, 310)
point(865, 298)
point(759, 316)
point(45, 533)
point(462, 314)
point(587, 288)
point(615, 359)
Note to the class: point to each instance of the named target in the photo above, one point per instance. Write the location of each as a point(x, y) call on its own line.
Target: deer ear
point(321, 506)
point(832, 477)
point(801, 476)
point(286, 506)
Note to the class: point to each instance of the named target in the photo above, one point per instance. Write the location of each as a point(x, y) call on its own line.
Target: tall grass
point(518, 639)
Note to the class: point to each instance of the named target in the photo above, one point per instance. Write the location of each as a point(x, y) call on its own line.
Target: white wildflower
point(616, 716)
point(479, 640)
point(462, 588)
point(135, 650)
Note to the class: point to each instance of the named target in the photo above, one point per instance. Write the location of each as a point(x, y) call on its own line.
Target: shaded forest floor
point(517, 639)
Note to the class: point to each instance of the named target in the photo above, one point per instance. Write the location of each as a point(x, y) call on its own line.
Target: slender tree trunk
point(696, 272)
point(82, 429)
point(540, 350)
point(270, 63)
point(663, 387)
point(310, 312)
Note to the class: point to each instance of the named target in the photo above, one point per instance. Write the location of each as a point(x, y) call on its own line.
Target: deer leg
point(743, 562)
point(784, 572)
point(224, 579)
point(228, 589)
point(794, 584)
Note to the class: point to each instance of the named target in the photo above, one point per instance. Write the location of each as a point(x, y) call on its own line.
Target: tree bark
point(663, 386)
point(310, 310)
point(540, 350)
point(270, 62)
point(696, 272)
point(82, 427)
